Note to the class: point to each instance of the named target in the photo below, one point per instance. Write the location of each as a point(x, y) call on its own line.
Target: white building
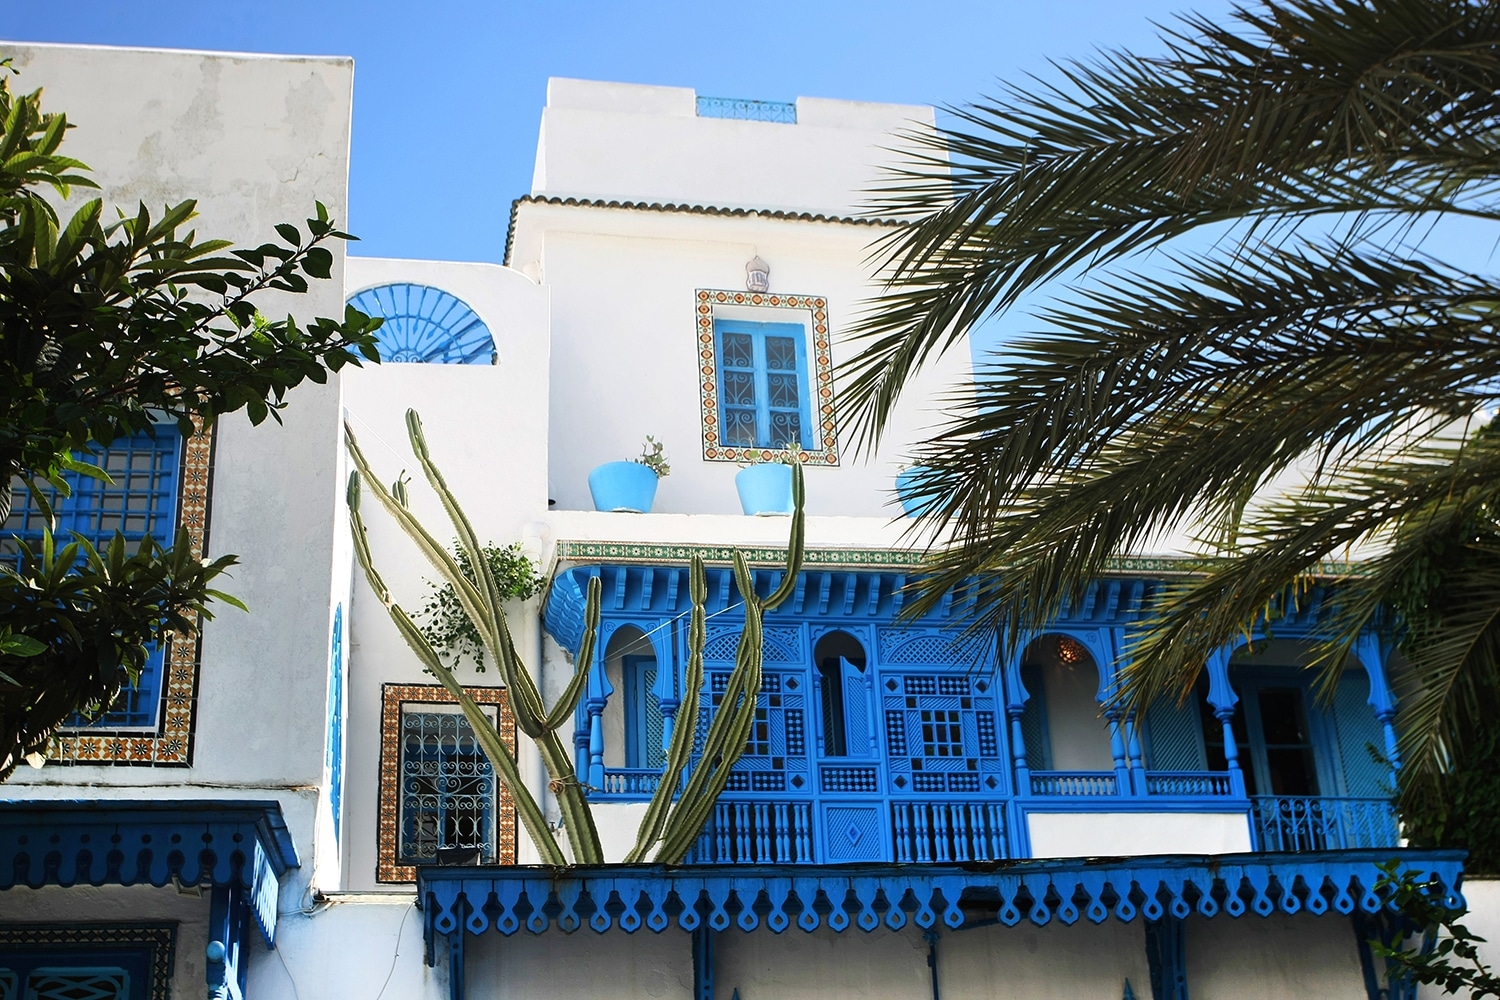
point(909, 817)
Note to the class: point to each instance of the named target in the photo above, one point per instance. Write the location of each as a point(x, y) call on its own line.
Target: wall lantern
point(757, 275)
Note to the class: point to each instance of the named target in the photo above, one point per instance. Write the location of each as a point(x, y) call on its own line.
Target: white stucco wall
point(629, 142)
point(1123, 834)
point(256, 140)
point(625, 349)
point(486, 427)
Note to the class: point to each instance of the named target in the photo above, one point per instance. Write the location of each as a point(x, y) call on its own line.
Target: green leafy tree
point(1290, 326)
point(103, 325)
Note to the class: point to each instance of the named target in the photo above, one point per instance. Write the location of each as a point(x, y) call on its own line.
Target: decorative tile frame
point(172, 743)
point(821, 375)
point(159, 940)
point(392, 698)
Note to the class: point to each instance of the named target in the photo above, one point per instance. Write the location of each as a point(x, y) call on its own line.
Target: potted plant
point(916, 490)
point(765, 487)
point(630, 486)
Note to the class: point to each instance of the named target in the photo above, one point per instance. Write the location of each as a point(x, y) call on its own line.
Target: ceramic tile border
point(392, 697)
point(172, 743)
point(825, 425)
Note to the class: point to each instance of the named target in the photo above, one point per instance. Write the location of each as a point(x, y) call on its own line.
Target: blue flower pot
point(908, 483)
point(765, 488)
point(628, 486)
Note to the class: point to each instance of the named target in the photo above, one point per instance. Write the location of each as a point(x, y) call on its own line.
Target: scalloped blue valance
point(243, 845)
point(842, 897)
point(426, 324)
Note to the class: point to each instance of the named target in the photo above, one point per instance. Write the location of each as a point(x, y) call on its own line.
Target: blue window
point(141, 501)
point(447, 789)
point(763, 398)
point(425, 324)
point(643, 719)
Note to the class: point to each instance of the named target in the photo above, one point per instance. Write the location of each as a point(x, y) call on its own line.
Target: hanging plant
point(442, 618)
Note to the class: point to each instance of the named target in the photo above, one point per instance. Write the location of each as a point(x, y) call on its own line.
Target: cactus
point(674, 826)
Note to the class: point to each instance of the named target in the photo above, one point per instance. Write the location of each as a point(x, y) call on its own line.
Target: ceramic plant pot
point(623, 486)
point(765, 488)
point(908, 486)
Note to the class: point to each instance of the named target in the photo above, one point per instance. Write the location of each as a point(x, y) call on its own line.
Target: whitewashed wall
point(643, 143)
point(486, 427)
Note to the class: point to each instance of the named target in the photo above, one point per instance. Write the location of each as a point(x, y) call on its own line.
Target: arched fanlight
point(426, 324)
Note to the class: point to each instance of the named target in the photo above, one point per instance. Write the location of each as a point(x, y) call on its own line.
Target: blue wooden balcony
point(1286, 823)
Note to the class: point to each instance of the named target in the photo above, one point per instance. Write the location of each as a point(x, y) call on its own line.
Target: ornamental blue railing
point(1285, 823)
point(756, 832)
point(948, 831)
point(779, 112)
point(631, 782)
point(1210, 783)
point(1074, 783)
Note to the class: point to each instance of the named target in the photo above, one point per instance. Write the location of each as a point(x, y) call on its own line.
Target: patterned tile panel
point(172, 743)
point(393, 696)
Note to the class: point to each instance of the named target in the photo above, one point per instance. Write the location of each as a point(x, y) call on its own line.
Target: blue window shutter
point(764, 398)
point(1365, 773)
point(858, 738)
point(1034, 732)
point(140, 502)
point(1174, 736)
point(643, 719)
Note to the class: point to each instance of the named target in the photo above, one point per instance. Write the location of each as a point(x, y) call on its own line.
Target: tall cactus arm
point(795, 546)
point(681, 749)
point(468, 595)
point(582, 663)
point(727, 735)
point(527, 809)
point(525, 698)
point(697, 801)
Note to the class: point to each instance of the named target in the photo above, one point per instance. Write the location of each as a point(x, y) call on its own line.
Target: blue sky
point(448, 95)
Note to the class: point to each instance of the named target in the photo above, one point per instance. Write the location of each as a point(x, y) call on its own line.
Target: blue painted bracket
point(1166, 957)
point(241, 847)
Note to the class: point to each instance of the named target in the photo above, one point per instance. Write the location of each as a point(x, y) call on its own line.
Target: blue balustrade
point(1210, 783)
point(631, 782)
point(1075, 783)
point(1294, 823)
point(948, 831)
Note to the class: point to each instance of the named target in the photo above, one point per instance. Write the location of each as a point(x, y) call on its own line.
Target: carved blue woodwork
point(947, 777)
point(141, 502)
point(426, 324)
point(240, 849)
point(109, 843)
point(744, 109)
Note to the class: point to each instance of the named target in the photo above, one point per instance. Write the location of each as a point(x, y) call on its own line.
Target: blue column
point(703, 962)
point(1016, 696)
point(1223, 700)
point(1374, 654)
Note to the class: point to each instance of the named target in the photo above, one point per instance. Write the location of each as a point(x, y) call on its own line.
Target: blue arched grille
point(423, 323)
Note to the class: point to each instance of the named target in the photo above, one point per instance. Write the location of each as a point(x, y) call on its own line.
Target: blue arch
point(426, 324)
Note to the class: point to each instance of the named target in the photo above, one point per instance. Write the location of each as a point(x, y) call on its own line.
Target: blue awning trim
point(110, 842)
point(840, 897)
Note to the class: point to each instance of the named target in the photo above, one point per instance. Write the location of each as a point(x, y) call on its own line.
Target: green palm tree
point(1296, 324)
